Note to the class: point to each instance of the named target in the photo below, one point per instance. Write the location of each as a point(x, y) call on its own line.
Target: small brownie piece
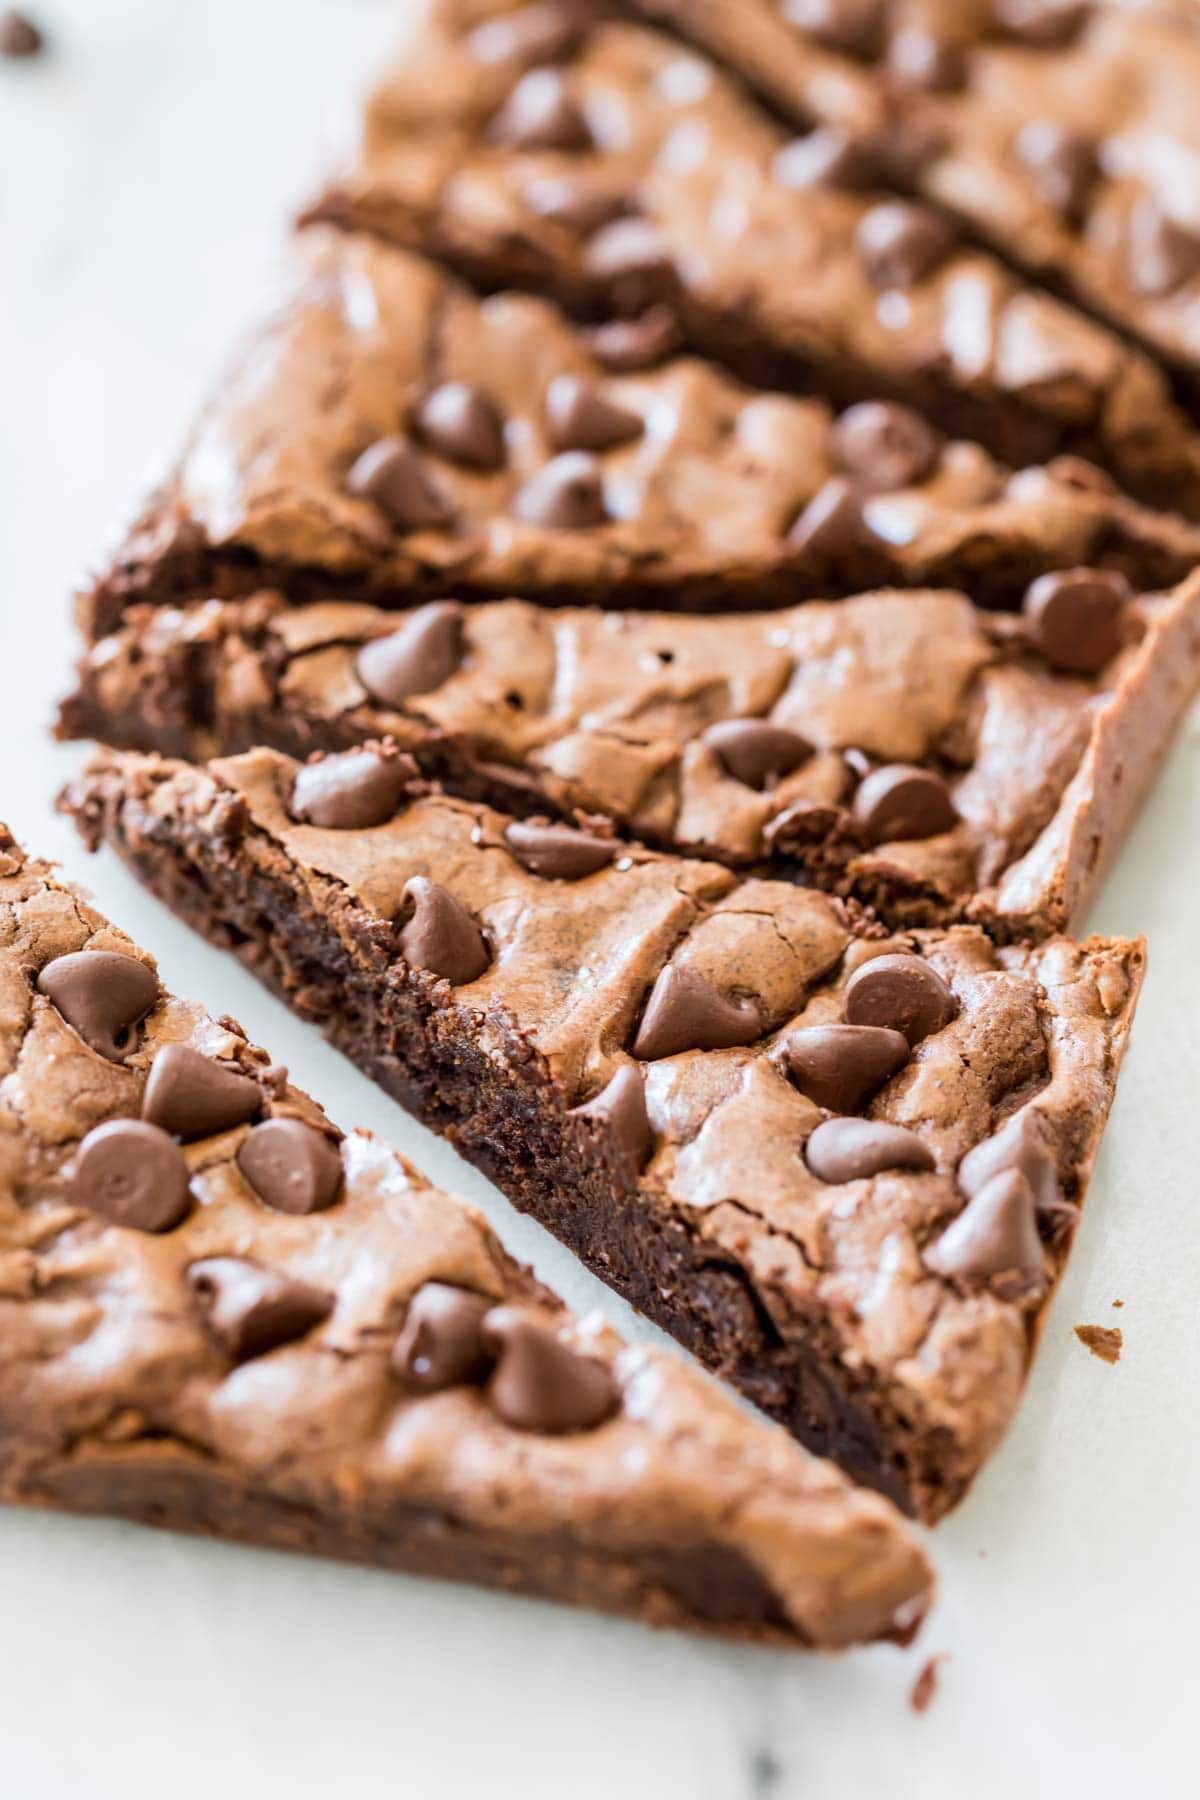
point(851, 289)
point(905, 749)
point(1062, 134)
point(219, 1314)
point(390, 436)
point(843, 1168)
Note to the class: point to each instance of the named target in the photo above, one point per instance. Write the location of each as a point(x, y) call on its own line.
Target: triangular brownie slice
point(912, 751)
point(844, 1167)
point(219, 1314)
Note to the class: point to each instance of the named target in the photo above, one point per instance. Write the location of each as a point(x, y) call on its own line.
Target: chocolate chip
point(291, 1166)
point(566, 494)
point(1162, 254)
point(558, 852)
point(194, 1096)
point(250, 1310)
point(580, 206)
point(885, 446)
point(1021, 1143)
point(994, 1239)
point(102, 994)
point(542, 33)
point(636, 261)
point(133, 1174)
point(686, 1012)
point(623, 345)
point(920, 58)
point(901, 991)
point(828, 157)
point(540, 114)
point(1076, 617)
point(901, 801)
point(542, 1384)
point(19, 36)
point(458, 420)
point(442, 1344)
point(854, 1149)
point(425, 652)
point(579, 417)
point(620, 1109)
point(1046, 24)
point(1063, 164)
point(352, 790)
point(900, 242)
point(832, 525)
point(390, 474)
point(441, 936)
point(853, 26)
point(840, 1066)
point(755, 751)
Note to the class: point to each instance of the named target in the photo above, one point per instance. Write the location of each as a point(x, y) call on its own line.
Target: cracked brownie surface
point(837, 280)
point(787, 741)
point(502, 455)
point(218, 1313)
point(843, 1166)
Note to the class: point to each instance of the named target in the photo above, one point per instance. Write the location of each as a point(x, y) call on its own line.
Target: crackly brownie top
point(190, 1252)
point(1067, 130)
point(894, 1129)
point(508, 147)
point(389, 427)
point(924, 748)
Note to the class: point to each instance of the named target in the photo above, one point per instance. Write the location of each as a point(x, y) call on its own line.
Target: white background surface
point(145, 170)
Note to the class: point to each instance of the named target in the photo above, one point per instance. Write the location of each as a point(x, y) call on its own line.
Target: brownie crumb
point(925, 1686)
point(19, 36)
point(1118, 1303)
point(1103, 1341)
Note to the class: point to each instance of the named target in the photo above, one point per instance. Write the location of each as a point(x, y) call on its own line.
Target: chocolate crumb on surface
point(1104, 1341)
point(925, 1687)
point(20, 36)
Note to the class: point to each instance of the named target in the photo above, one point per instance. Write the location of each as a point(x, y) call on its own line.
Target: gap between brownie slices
point(312, 941)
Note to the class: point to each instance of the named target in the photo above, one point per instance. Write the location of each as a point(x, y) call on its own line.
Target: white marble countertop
point(145, 170)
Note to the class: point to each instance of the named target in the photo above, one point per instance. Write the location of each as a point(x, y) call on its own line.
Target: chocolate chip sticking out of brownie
point(871, 294)
point(482, 447)
point(905, 749)
point(650, 1059)
point(226, 1317)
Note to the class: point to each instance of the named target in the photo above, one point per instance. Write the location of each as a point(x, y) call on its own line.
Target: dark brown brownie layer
point(306, 1346)
point(818, 1297)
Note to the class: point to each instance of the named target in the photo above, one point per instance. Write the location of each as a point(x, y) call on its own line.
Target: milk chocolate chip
point(425, 652)
point(103, 995)
point(352, 790)
point(542, 1384)
point(901, 241)
point(567, 494)
point(540, 114)
point(1076, 617)
point(620, 1108)
point(460, 421)
point(854, 1149)
point(994, 1239)
point(133, 1174)
point(885, 446)
point(441, 1344)
point(902, 801)
point(1161, 253)
point(840, 1066)
point(686, 1012)
point(19, 36)
point(558, 852)
point(250, 1310)
point(579, 417)
point(291, 1166)
point(919, 58)
point(1023, 1143)
point(390, 474)
point(1063, 164)
point(756, 752)
point(832, 525)
point(901, 991)
point(828, 157)
point(194, 1096)
point(441, 935)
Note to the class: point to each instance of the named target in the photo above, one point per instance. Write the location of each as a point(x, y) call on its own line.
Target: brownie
point(843, 1167)
point(218, 1313)
point(1064, 135)
point(904, 749)
point(501, 456)
point(789, 269)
